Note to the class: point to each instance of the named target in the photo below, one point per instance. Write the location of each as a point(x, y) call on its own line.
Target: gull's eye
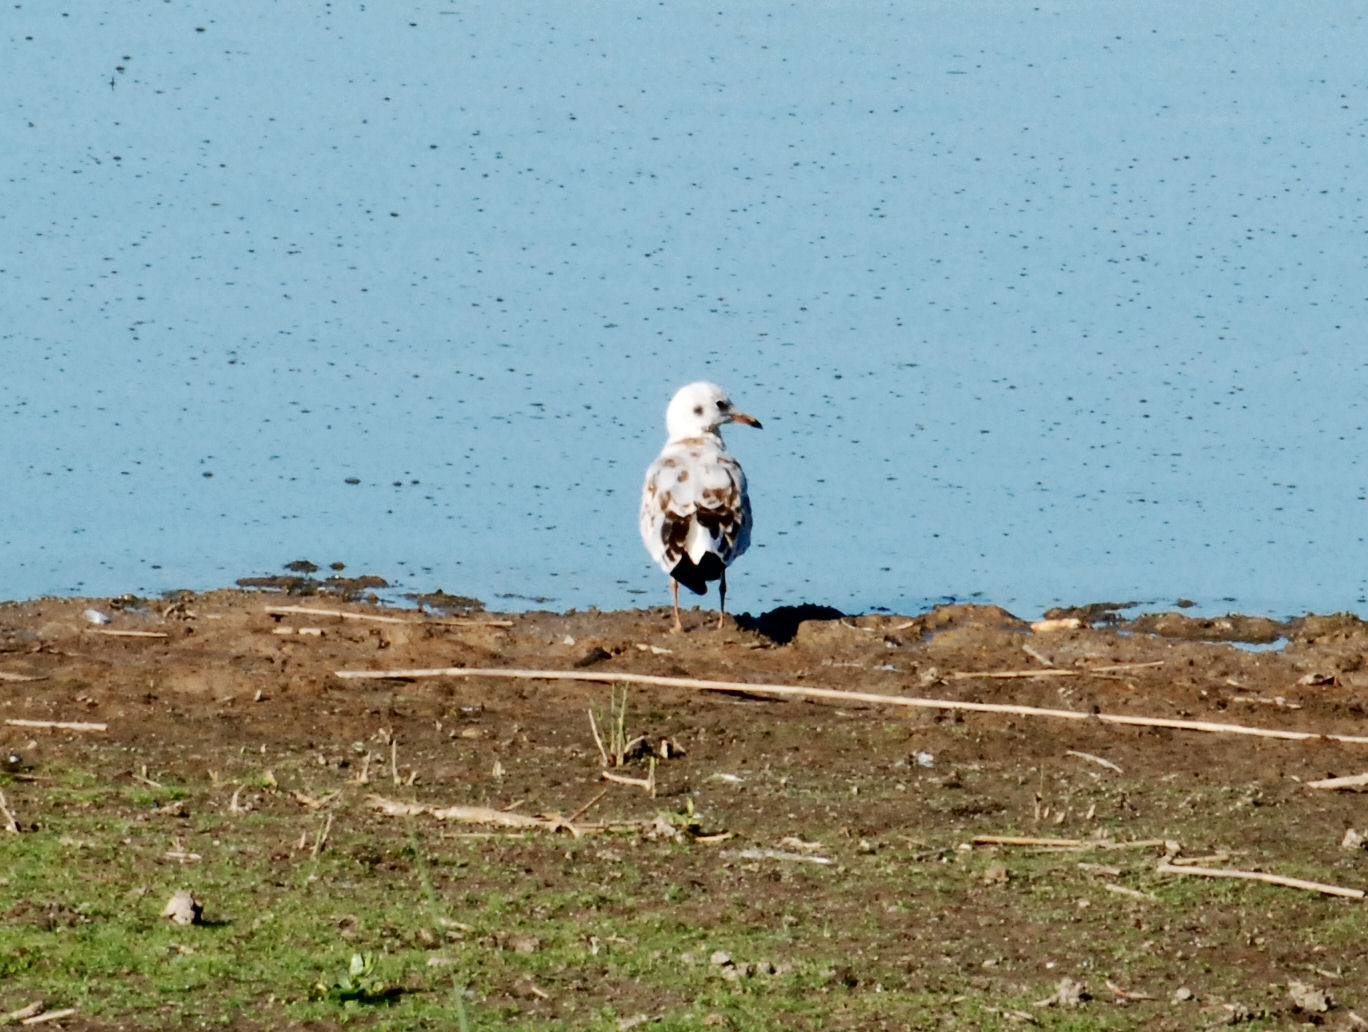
point(698, 410)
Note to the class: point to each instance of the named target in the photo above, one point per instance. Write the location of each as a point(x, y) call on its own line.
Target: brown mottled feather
point(695, 513)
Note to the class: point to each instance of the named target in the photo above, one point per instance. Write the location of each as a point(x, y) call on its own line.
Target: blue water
point(1039, 304)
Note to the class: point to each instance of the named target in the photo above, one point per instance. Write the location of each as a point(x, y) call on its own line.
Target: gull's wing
point(694, 504)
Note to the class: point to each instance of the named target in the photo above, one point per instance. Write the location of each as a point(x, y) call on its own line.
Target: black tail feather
point(695, 576)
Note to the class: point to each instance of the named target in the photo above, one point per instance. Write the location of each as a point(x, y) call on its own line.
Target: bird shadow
point(781, 625)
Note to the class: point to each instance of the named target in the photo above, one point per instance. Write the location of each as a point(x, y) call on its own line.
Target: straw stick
point(507, 819)
point(1005, 675)
point(1066, 843)
point(11, 825)
point(60, 725)
point(803, 691)
point(56, 1015)
point(1348, 781)
point(342, 614)
point(1271, 879)
point(1100, 761)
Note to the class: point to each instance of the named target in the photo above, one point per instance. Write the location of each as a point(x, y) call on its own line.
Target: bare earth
point(851, 824)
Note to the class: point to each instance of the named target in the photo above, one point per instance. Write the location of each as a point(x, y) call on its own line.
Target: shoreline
point(779, 624)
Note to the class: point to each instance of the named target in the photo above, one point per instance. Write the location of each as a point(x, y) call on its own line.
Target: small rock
point(96, 617)
point(520, 942)
point(1308, 998)
point(996, 874)
point(720, 958)
point(175, 808)
point(1182, 994)
point(1232, 1013)
point(1068, 993)
point(183, 908)
point(1352, 839)
point(1060, 623)
point(843, 975)
point(594, 655)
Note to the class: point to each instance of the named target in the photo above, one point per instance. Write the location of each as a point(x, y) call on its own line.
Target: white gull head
point(699, 409)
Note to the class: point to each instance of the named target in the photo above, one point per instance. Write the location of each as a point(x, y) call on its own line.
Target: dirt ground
point(896, 798)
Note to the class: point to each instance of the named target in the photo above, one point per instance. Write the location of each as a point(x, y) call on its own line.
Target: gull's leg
point(674, 601)
point(721, 599)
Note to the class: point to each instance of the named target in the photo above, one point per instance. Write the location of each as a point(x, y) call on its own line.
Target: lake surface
point(1039, 304)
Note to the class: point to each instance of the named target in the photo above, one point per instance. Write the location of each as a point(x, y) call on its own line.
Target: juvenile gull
point(695, 514)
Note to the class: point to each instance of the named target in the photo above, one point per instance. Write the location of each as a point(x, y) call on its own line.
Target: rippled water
point(1038, 304)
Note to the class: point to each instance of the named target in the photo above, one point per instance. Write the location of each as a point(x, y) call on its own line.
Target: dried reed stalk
point(59, 725)
point(1066, 843)
point(1271, 879)
point(342, 614)
point(505, 818)
point(11, 825)
point(1348, 781)
point(803, 691)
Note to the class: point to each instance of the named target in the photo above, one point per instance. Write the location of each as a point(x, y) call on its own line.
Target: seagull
point(695, 514)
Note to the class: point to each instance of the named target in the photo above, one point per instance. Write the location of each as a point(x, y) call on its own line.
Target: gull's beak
point(741, 417)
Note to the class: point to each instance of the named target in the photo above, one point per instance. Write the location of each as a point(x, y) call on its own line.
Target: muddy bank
point(907, 752)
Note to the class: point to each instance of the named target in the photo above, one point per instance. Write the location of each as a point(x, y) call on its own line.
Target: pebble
point(182, 908)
